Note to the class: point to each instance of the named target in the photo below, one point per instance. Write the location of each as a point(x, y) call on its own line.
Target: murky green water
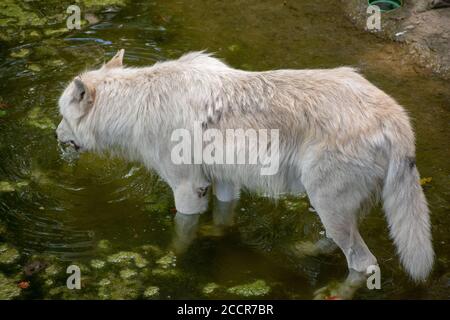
point(57, 213)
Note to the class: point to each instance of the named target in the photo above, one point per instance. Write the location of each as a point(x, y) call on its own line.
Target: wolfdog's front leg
point(186, 226)
point(226, 195)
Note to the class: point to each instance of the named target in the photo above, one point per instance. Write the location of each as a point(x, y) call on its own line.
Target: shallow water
point(56, 210)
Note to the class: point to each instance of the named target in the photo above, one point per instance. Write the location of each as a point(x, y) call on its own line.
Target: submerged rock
point(254, 289)
point(125, 258)
point(34, 267)
point(151, 292)
point(8, 288)
point(8, 254)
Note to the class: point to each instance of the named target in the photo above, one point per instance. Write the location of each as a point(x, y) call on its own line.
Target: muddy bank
point(423, 30)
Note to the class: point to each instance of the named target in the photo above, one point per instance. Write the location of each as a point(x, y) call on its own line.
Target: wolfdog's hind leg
point(226, 198)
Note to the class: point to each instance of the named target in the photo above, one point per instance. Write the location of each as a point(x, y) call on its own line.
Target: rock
point(8, 255)
point(125, 258)
point(151, 292)
point(255, 289)
point(8, 288)
point(34, 267)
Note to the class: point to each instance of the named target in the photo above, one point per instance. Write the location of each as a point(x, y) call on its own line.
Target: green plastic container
point(386, 5)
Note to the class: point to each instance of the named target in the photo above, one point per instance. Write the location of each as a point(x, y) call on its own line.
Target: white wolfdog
point(342, 140)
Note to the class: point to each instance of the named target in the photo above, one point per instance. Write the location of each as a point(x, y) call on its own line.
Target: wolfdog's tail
point(408, 217)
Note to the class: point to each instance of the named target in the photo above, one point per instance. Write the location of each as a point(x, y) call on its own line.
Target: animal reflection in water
point(187, 229)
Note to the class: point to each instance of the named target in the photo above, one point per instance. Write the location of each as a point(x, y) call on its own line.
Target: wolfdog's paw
point(341, 290)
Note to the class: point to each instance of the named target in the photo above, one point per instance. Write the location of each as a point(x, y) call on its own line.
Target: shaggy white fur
point(342, 140)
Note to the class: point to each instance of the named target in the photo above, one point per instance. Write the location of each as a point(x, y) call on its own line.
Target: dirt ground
point(422, 29)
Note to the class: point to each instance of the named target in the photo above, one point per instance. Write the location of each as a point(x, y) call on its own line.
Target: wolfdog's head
point(77, 103)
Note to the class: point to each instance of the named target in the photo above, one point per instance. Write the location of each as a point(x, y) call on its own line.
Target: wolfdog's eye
point(82, 95)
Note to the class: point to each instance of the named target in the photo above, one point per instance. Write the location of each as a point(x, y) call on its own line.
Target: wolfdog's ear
point(116, 61)
point(84, 93)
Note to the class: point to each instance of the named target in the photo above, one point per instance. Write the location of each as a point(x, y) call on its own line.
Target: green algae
point(99, 4)
point(167, 261)
point(8, 288)
point(21, 53)
point(6, 186)
point(97, 264)
point(151, 292)
point(8, 254)
point(255, 289)
point(210, 288)
point(16, 13)
point(118, 289)
point(104, 245)
point(36, 117)
point(128, 273)
point(125, 258)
